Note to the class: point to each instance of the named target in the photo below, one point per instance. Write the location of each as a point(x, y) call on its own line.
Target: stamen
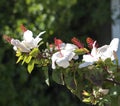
point(7, 38)
point(90, 42)
point(23, 28)
point(77, 42)
point(57, 43)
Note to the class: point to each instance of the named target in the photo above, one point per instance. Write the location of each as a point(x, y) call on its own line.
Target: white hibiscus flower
point(62, 57)
point(28, 43)
point(103, 53)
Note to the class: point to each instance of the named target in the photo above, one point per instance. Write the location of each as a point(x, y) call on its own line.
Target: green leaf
point(19, 59)
point(95, 76)
point(100, 63)
point(70, 81)
point(57, 76)
point(108, 62)
point(30, 67)
point(18, 53)
point(34, 52)
point(87, 100)
point(28, 59)
point(24, 59)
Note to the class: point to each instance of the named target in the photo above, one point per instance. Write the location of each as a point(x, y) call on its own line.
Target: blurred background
point(62, 19)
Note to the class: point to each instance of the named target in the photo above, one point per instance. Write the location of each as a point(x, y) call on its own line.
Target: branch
point(112, 81)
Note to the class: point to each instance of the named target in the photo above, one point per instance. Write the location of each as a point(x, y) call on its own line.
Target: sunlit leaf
point(18, 53)
point(24, 59)
point(19, 59)
point(28, 59)
point(30, 67)
point(34, 52)
point(81, 51)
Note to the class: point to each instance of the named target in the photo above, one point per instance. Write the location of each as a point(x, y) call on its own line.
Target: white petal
point(54, 57)
point(76, 57)
point(71, 56)
point(114, 44)
point(19, 45)
point(41, 33)
point(62, 62)
point(102, 49)
point(15, 48)
point(62, 46)
point(68, 54)
point(85, 64)
point(28, 36)
point(106, 51)
point(94, 50)
point(36, 41)
point(70, 47)
point(89, 58)
point(28, 45)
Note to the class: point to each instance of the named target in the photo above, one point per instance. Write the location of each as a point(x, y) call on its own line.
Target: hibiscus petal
point(19, 45)
point(62, 62)
point(114, 44)
point(28, 36)
point(94, 50)
point(28, 45)
point(89, 58)
point(85, 64)
point(41, 33)
point(54, 57)
point(70, 47)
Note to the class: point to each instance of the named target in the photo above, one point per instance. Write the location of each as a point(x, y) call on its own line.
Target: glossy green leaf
point(57, 76)
point(18, 53)
point(20, 58)
point(30, 67)
point(34, 52)
point(24, 59)
point(28, 59)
